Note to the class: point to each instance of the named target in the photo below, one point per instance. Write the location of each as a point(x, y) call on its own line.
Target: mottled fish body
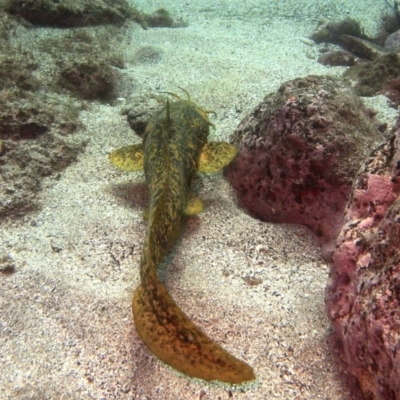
point(175, 147)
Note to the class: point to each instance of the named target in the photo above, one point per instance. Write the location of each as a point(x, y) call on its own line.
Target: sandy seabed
point(66, 329)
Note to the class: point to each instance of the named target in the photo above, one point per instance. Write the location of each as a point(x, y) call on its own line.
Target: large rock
point(73, 13)
point(363, 292)
point(300, 150)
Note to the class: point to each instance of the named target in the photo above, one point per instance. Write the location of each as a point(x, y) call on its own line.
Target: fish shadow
point(130, 194)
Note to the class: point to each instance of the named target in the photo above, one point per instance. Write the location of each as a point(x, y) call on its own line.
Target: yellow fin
point(216, 155)
point(128, 158)
point(194, 206)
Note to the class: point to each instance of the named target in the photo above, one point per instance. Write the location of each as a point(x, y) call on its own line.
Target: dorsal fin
point(168, 114)
point(167, 121)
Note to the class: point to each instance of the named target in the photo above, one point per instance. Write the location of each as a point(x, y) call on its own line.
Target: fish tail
point(173, 338)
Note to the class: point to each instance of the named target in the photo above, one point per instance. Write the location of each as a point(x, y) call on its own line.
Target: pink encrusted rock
point(300, 150)
point(363, 291)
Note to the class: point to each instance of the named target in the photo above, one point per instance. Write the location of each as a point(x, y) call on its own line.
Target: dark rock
point(337, 58)
point(392, 91)
point(73, 13)
point(380, 76)
point(330, 32)
point(363, 291)
point(361, 47)
point(147, 55)
point(299, 152)
point(85, 61)
point(390, 23)
point(89, 79)
point(350, 36)
point(392, 42)
point(161, 18)
point(138, 120)
point(7, 265)
point(140, 110)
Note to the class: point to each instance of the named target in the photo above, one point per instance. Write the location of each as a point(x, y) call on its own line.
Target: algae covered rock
point(17, 70)
point(348, 34)
point(89, 79)
point(86, 61)
point(330, 31)
point(336, 58)
point(73, 13)
point(300, 150)
point(36, 141)
point(79, 13)
point(140, 110)
point(381, 76)
point(38, 116)
point(363, 291)
point(161, 18)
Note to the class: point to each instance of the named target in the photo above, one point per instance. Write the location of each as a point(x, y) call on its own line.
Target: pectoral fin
point(128, 158)
point(194, 206)
point(216, 155)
